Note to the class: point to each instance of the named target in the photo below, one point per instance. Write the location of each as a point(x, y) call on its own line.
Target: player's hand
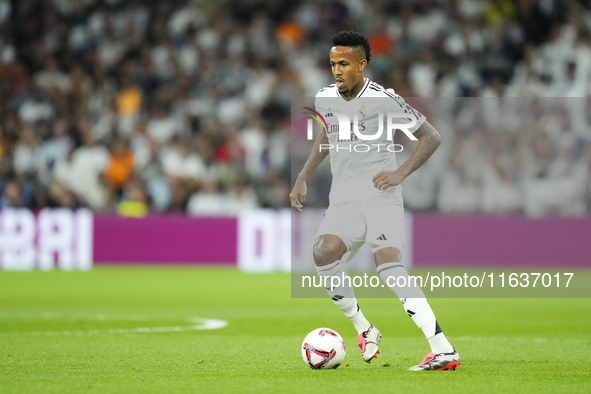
point(385, 179)
point(298, 193)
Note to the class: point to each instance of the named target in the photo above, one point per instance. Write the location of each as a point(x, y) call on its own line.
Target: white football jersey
point(355, 161)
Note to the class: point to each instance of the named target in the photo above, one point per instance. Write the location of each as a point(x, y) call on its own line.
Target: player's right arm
point(300, 189)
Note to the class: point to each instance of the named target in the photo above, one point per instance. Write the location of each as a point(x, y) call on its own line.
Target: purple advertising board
point(162, 239)
point(261, 240)
point(438, 240)
point(441, 240)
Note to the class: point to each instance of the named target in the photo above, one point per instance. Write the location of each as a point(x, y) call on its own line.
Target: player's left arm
point(429, 141)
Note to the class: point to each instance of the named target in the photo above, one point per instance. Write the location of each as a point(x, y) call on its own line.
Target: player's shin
point(340, 290)
point(396, 277)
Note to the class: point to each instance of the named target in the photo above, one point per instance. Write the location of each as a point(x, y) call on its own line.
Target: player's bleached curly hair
point(354, 39)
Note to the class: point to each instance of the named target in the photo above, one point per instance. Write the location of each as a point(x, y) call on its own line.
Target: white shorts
point(378, 222)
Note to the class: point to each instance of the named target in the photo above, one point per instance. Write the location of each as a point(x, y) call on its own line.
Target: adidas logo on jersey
point(381, 238)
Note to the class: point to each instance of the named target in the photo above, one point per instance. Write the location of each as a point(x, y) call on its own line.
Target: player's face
point(347, 67)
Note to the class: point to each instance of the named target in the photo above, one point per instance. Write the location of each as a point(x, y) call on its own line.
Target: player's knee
point(328, 249)
point(387, 255)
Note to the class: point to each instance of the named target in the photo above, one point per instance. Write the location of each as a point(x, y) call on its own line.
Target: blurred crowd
point(181, 105)
point(506, 155)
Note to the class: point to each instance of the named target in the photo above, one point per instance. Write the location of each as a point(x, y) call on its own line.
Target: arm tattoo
point(316, 157)
point(429, 140)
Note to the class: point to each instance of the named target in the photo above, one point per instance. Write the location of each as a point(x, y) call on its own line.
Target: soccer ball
point(323, 348)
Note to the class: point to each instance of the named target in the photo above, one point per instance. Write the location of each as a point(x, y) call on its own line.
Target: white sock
point(343, 295)
point(415, 304)
point(359, 321)
point(440, 344)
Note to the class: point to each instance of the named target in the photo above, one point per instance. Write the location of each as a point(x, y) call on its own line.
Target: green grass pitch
point(77, 332)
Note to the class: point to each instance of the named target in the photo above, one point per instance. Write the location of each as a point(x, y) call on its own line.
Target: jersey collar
point(367, 81)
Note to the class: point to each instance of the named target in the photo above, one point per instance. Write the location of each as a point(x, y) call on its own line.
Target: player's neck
point(355, 91)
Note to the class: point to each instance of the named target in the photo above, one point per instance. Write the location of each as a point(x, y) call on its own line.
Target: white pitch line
point(202, 324)
point(65, 316)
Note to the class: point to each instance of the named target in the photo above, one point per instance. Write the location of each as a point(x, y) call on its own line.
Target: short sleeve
point(398, 104)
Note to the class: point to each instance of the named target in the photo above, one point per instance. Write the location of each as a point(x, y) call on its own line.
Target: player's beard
point(346, 92)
